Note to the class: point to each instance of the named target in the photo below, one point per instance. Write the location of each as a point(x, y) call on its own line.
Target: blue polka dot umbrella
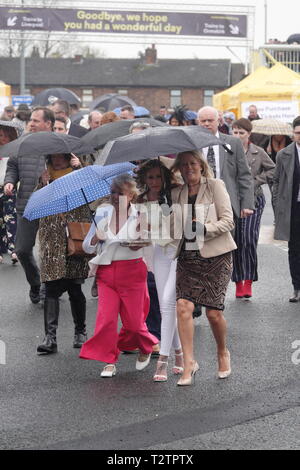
point(74, 190)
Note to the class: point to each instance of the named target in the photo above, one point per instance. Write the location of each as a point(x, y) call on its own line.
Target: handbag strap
point(211, 199)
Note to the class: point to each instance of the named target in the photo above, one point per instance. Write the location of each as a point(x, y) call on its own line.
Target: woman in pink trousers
point(121, 279)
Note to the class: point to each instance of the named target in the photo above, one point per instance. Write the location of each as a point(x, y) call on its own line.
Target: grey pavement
point(61, 402)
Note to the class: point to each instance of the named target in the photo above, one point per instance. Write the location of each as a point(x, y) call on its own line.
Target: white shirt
point(298, 149)
point(68, 124)
point(110, 250)
point(217, 156)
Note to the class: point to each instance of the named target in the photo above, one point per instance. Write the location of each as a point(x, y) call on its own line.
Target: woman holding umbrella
point(156, 180)
point(122, 281)
point(60, 272)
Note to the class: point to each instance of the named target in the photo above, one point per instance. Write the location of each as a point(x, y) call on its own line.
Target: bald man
point(230, 165)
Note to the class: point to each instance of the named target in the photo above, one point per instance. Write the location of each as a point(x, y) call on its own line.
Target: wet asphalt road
point(60, 401)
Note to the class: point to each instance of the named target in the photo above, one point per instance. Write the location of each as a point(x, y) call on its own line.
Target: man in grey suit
point(286, 200)
point(229, 164)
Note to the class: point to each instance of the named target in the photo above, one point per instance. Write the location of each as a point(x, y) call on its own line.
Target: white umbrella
point(271, 127)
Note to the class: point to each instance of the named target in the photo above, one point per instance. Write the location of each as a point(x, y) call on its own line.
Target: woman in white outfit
point(155, 180)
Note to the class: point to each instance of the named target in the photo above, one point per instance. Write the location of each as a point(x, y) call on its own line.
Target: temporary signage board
point(124, 22)
point(285, 111)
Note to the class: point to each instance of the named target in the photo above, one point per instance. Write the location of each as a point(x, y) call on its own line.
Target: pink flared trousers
point(122, 288)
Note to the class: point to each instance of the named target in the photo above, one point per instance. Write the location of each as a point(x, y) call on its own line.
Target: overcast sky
point(283, 20)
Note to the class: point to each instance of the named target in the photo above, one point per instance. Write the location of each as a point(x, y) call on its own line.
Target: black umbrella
point(46, 97)
point(111, 101)
point(98, 137)
point(76, 118)
point(44, 143)
point(156, 141)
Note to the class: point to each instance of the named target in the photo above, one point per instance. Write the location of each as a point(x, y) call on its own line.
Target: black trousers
point(153, 320)
point(25, 241)
point(294, 246)
point(56, 288)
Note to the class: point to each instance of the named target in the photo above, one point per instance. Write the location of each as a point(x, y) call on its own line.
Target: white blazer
point(110, 250)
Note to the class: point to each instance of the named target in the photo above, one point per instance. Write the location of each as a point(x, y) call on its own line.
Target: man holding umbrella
point(26, 172)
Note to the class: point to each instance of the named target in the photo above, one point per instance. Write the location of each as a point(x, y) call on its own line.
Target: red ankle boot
point(248, 289)
point(239, 291)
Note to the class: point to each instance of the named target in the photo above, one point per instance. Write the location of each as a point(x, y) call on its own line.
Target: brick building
point(149, 81)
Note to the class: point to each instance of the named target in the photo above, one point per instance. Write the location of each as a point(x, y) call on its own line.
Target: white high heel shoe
point(161, 377)
point(109, 370)
point(226, 373)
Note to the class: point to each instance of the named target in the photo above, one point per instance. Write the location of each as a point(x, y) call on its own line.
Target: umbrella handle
point(80, 160)
point(91, 212)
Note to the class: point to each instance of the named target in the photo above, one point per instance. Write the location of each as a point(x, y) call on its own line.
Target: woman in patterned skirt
point(60, 272)
point(203, 219)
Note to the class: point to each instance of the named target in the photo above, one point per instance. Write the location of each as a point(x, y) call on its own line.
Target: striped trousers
point(246, 239)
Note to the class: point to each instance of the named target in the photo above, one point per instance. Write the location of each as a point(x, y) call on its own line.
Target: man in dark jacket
point(26, 171)
point(62, 108)
point(286, 200)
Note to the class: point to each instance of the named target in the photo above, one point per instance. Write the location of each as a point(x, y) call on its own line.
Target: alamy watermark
point(2, 352)
point(296, 353)
point(159, 222)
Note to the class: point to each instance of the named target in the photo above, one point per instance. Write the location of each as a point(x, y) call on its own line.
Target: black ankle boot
point(79, 339)
point(51, 313)
point(48, 346)
point(78, 309)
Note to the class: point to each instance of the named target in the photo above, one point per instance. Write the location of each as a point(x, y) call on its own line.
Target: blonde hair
point(198, 155)
point(125, 181)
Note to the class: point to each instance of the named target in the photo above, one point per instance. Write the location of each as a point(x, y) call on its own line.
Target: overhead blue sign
point(21, 99)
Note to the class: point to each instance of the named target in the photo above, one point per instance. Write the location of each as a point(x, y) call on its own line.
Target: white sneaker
point(109, 370)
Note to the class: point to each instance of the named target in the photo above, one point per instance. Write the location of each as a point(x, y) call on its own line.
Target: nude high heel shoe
point(177, 369)
point(185, 382)
point(226, 373)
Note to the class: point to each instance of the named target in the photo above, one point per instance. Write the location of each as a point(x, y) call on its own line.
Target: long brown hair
point(168, 179)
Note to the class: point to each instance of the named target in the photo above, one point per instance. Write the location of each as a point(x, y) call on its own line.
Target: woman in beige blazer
point(203, 219)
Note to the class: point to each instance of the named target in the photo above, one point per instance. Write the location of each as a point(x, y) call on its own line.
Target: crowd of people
point(155, 283)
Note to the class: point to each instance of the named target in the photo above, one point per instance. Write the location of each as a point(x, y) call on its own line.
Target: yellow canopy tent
point(278, 84)
point(5, 95)
point(229, 100)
